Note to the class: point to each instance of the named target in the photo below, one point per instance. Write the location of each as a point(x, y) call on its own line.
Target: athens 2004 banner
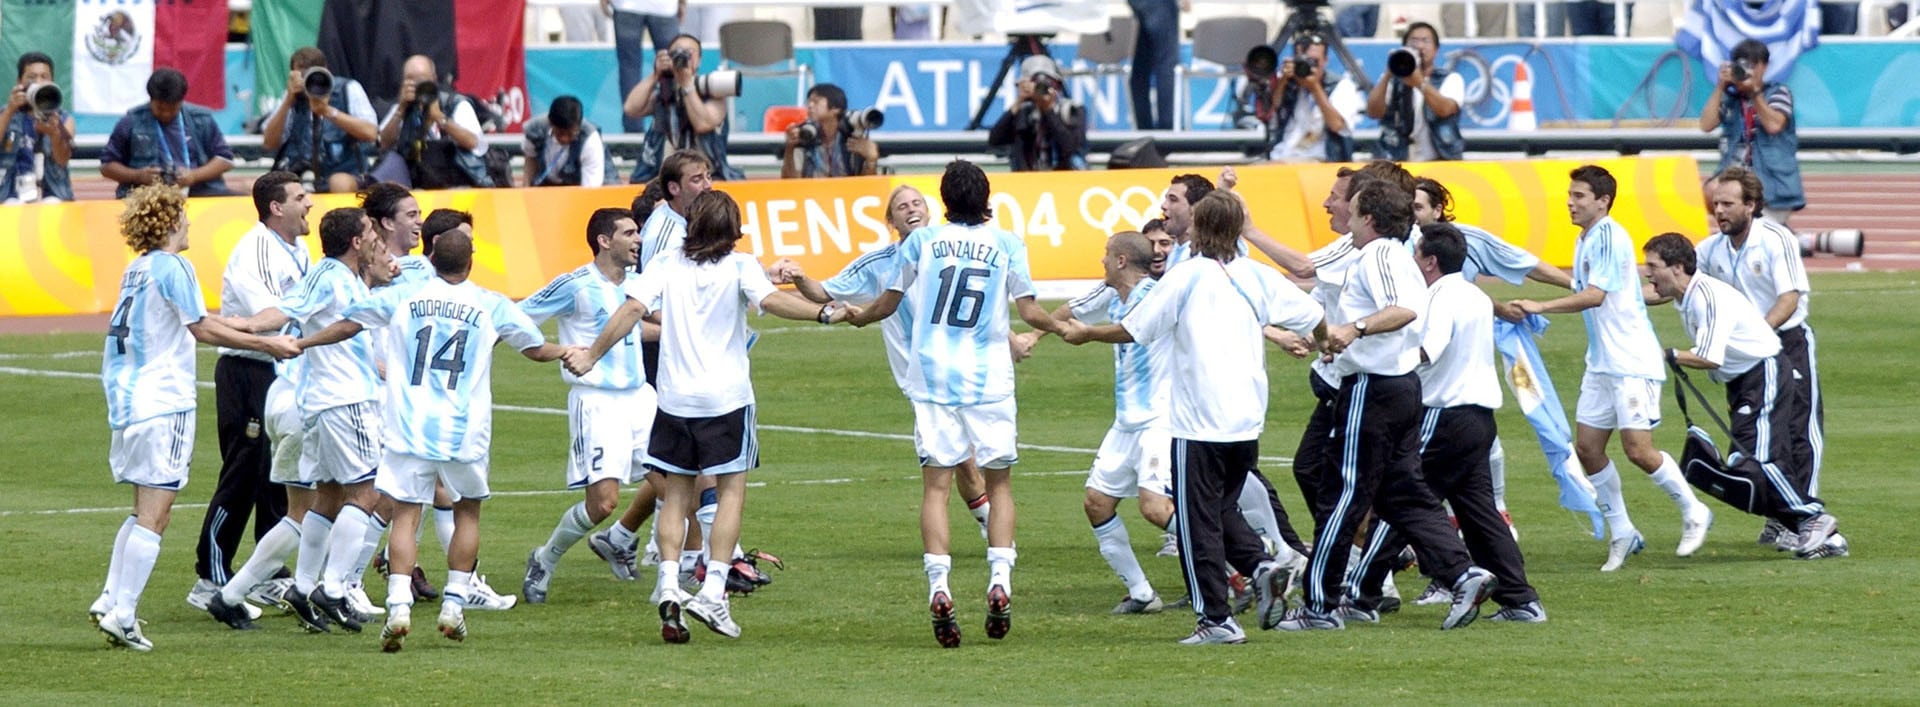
point(67, 258)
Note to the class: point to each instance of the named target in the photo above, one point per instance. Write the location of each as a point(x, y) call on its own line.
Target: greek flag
point(1788, 27)
point(1533, 390)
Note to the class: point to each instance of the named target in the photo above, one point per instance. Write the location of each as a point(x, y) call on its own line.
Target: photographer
point(689, 111)
point(829, 144)
point(1756, 123)
point(563, 148)
point(38, 137)
point(324, 125)
point(1417, 102)
point(1045, 130)
point(1305, 121)
point(431, 137)
point(167, 141)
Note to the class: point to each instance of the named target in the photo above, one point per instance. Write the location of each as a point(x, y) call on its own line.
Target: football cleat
point(233, 615)
point(269, 593)
point(619, 559)
point(1130, 605)
point(539, 576)
point(336, 609)
point(946, 628)
point(999, 612)
point(1693, 532)
point(399, 623)
point(1619, 548)
point(673, 628)
point(423, 589)
point(310, 617)
point(453, 622)
point(1271, 582)
point(125, 635)
point(203, 589)
point(1239, 593)
point(357, 598)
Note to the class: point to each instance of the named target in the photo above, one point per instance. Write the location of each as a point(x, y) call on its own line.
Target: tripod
point(1307, 17)
point(1019, 47)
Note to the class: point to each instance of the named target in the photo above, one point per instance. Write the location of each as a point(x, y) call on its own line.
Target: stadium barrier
point(67, 258)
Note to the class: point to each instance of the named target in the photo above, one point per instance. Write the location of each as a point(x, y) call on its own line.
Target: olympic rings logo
point(1126, 210)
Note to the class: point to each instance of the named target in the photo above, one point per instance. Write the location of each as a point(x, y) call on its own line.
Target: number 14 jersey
point(959, 280)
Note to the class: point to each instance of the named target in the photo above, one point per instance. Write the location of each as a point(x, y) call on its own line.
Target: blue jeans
point(1359, 21)
point(635, 64)
point(1154, 54)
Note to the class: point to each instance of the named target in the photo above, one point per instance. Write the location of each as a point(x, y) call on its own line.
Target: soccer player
point(1212, 309)
point(705, 424)
point(339, 398)
point(148, 375)
point(439, 414)
point(266, 264)
point(1621, 388)
point(1737, 346)
point(1761, 259)
point(956, 280)
point(610, 411)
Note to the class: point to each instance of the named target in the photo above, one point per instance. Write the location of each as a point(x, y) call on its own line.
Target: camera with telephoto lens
point(719, 84)
point(317, 81)
point(45, 98)
point(865, 119)
point(1403, 62)
point(426, 93)
point(809, 137)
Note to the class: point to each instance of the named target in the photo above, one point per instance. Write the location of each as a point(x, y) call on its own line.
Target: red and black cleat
point(946, 629)
point(999, 613)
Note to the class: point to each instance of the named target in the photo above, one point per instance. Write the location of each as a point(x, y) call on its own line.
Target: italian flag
point(106, 49)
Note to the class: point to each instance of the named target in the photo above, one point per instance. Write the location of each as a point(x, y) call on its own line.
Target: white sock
point(113, 563)
point(982, 511)
point(667, 578)
point(715, 587)
point(937, 567)
point(268, 555)
point(1117, 548)
point(1670, 480)
point(1497, 465)
point(136, 565)
point(376, 527)
point(343, 549)
point(574, 525)
point(1606, 487)
point(443, 526)
point(458, 584)
point(690, 560)
point(620, 536)
point(399, 590)
point(1173, 525)
point(705, 514)
point(1259, 511)
point(1000, 567)
point(315, 530)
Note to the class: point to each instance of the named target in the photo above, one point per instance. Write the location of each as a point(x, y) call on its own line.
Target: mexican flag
point(104, 50)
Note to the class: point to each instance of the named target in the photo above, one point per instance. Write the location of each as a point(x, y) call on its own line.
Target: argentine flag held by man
point(1533, 391)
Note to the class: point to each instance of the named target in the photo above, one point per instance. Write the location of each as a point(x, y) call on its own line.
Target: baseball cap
point(1037, 66)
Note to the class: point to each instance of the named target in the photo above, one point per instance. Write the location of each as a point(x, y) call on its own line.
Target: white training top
point(1184, 251)
point(703, 329)
point(262, 269)
point(1726, 328)
point(1383, 276)
point(862, 282)
point(584, 300)
point(147, 368)
point(439, 386)
point(1330, 264)
point(664, 232)
point(344, 373)
point(1140, 385)
point(1620, 340)
point(1764, 268)
point(1214, 314)
point(1458, 341)
point(961, 279)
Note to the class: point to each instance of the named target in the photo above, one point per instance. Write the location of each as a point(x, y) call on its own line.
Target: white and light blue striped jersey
point(413, 268)
point(862, 282)
point(704, 370)
point(664, 232)
point(439, 386)
point(1488, 254)
point(1620, 338)
point(147, 368)
point(1139, 394)
point(960, 280)
point(1764, 267)
point(344, 373)
point(583, 300)
point(1184, 250)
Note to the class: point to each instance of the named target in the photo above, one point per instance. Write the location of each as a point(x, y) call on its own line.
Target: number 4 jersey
point(439, 393)
point(148, 369)
point(959, 280)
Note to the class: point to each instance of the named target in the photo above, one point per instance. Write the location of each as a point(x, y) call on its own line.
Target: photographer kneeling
point(563, 148)
point(1755, 118)
point(689, 111)
point(431, 137)
point(1044, 130)
point(1420, 120)
point(831, 143)
point(325, 115)
point(1306, 121)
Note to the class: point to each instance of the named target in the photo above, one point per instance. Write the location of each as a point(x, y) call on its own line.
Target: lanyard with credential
point(166, 148)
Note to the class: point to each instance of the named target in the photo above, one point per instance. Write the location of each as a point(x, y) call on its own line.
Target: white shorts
point(154, 452)
point(409, 479)
point(947, 435)
point(284, 430)
point(1609, 402)
point(1132, 460)
point(341, 445)
point(610, 433)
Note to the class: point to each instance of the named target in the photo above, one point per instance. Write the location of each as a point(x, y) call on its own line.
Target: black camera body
point(681, 58)
point(1741, 70)
point(426, 93)
point(809, 135)
point(1303, 68)
point(1403, 62)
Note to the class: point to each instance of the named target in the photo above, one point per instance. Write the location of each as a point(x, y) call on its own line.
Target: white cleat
point(399, 623)
point(1693, 532)
point(203, 590)
point(125, 634)
point(1620, 548)
point(357, 598)
point(453, 622)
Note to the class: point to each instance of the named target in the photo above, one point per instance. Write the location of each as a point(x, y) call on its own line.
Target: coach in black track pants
point(1376, 461)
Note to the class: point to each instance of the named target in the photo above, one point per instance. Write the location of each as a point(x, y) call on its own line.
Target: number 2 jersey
point(959, 280)
point(148, 368)
point(439, 390)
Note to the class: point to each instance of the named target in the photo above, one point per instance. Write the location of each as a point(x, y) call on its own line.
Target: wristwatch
point(1360, 325)
point(826, 313)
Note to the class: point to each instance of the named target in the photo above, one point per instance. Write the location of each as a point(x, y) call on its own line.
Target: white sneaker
point(453, 621)
point(481, 597)
point(1815, 532)
point(1620, 548)
point(1169, 546)
point(713, 613)
point(1693, 532)
point(202, 591)
point(270, 593)
point(357, 598)
point(399, 624)
point(1435, 593)
point(651, 557)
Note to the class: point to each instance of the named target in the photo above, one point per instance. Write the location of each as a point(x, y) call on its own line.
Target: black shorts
point(723, 444)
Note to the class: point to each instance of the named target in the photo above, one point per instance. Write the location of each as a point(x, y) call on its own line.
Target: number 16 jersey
point(959, 280)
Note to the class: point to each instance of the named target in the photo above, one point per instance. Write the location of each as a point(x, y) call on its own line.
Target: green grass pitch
point(846, 622)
